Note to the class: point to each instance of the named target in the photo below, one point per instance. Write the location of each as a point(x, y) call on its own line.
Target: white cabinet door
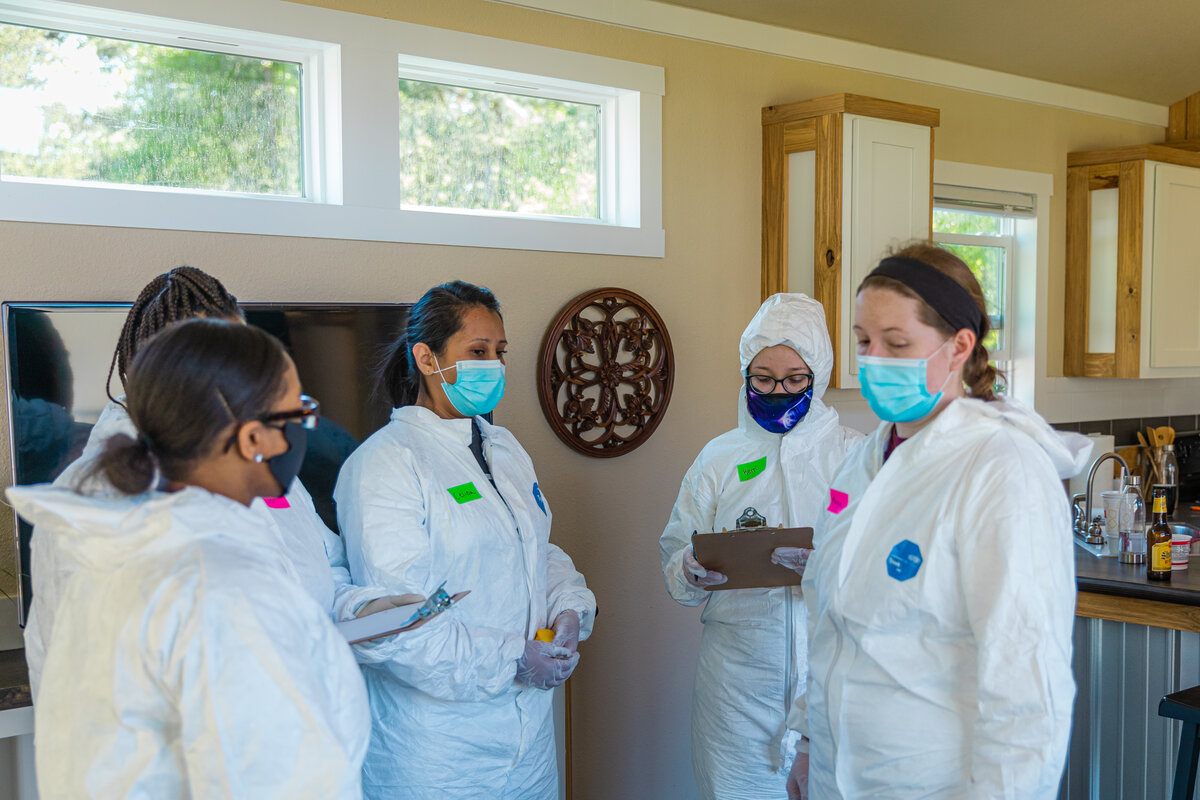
point(885, 203)
point(1174, 319)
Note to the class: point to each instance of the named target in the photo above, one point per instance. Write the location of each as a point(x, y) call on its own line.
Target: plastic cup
point(1112, 520)
point(1181, 547)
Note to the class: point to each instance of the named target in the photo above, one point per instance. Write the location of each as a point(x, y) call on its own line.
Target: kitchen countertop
point(1110, 576)
point(1108, 589)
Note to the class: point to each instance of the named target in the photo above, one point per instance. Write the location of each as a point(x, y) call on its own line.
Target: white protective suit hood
point(182, 644)
point(753, 655)
point(797, 321)
point(1069, 452)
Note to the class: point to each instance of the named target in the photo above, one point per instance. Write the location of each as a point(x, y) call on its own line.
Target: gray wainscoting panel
point(1120, 748)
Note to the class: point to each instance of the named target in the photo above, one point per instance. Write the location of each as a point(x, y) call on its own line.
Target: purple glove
point(696, 574)
point(545, 665)
point(566, 630)
point(794, 558)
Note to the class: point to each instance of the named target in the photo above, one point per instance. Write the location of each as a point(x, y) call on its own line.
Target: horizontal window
point(98, 109)
point(235, 120)
point(469, 148)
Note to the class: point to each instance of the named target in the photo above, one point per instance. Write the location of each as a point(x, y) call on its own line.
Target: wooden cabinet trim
point(774, 212)
point(827, 232)
point(1137, 152)
point(1129, 269)
point(1125, 362)
point(852, 104)
point(799, 136)
point(1079, 236)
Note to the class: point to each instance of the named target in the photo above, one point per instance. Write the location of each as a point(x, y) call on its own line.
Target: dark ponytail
point(185, 388)
point(127, 463)
point(182, 293)
point(432, 320)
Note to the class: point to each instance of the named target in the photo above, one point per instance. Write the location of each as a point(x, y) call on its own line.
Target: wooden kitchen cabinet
point(1133, 263)
point(845, 177)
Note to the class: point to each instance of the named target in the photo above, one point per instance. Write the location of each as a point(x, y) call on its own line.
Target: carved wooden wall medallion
point(605, 372)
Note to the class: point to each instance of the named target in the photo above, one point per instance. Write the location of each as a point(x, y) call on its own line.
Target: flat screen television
point(57, 356)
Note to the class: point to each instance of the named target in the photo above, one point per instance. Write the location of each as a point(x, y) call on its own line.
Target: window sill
point(274, 216)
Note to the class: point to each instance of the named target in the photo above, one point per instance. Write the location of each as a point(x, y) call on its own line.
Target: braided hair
point(182, 293)
point(187, 387)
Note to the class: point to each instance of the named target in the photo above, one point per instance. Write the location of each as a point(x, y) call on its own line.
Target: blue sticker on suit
point(904, 561)
point(537, 495)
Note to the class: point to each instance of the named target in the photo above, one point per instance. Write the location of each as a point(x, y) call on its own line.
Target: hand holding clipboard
point(744, 556)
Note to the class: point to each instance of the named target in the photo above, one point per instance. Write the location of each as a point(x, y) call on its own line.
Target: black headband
point(942, 293)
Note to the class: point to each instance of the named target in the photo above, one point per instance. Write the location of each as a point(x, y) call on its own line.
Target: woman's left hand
point(566, 630)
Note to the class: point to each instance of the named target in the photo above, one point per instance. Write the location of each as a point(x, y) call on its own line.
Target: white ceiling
point(1145, 50)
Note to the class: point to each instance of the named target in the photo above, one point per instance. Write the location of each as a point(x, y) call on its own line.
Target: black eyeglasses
point(308, 415)
point(792, 384)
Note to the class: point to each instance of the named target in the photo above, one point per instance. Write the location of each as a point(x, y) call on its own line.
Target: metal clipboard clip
point(436, 603)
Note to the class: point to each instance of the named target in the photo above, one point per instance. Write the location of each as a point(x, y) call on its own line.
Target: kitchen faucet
point(1083, 523)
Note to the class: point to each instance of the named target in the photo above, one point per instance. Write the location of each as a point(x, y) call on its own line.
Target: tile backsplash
point(1124, 431)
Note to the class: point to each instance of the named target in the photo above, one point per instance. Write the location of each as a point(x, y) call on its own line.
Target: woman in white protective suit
point(779, 460)
point(186, 661)
point(463, 709)
point(941, 593)
point(313, 553)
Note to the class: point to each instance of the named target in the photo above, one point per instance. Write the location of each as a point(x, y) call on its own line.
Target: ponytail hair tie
point(145, 442)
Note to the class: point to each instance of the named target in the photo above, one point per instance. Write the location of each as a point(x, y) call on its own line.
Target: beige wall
point(632, 689)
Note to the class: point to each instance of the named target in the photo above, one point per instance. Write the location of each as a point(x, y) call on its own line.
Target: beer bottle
point(1158, 539)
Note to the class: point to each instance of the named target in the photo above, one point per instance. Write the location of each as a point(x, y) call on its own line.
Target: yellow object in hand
point(544, 635)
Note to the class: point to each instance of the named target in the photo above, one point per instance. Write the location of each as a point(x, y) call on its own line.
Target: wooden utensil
point(1152, 436)
point(1166, 435)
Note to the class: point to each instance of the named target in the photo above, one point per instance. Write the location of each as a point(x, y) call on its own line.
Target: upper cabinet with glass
point(1133, 277)
point(845, 178)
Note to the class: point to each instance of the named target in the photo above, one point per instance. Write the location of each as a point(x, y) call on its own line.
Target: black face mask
point(286, 466)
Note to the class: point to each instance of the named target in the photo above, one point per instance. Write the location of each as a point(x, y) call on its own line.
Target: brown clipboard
point(744, 557)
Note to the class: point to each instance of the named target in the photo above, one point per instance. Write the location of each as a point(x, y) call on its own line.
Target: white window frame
point(616, 140)
point(1029, 277)
point(1006, 242)
point(351, 131)
point(310, 55)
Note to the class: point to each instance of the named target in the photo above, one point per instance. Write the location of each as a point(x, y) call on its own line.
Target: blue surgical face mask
point(777, 413)
point(477, 388)
point(895, 388)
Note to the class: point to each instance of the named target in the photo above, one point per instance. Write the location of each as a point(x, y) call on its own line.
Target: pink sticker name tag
point(277, 502)
point(837, 501)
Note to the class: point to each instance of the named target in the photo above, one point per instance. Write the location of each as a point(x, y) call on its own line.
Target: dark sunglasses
point(308, 415)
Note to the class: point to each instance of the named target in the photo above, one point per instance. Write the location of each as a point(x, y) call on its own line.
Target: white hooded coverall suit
point(309, 552)
point(448, 717)
point(185, 662)
point(941, 600)
point(753, 655)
